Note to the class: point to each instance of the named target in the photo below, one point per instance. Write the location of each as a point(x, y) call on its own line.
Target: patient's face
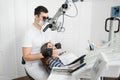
point(50, 45)
point(55, 52)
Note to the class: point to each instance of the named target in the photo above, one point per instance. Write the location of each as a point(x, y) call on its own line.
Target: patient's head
point(45, 60)
point(50, 45)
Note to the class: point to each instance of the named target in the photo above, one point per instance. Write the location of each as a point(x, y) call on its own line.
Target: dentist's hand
point(58, 45)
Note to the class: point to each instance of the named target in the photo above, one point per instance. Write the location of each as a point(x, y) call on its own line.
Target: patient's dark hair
point(45, 61)
point(40, 9)
point(44, 46)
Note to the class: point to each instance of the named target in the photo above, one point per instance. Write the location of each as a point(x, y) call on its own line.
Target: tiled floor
point(22, 78)
point(26, 78)
point(112, 78)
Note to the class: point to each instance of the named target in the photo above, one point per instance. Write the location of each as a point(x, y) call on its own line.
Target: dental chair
point(23, 62)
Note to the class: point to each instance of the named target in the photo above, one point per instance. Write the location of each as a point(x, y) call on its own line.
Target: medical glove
point(58, 45)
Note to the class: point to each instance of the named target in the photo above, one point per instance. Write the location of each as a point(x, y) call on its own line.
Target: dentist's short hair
point(40, 9)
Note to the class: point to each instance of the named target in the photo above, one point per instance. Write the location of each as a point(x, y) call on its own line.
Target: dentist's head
point(40, 13)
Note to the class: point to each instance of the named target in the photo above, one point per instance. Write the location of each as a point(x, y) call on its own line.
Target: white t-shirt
point(35, 38)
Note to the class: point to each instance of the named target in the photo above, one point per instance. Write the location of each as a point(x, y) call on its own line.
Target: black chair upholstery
point(23, 62)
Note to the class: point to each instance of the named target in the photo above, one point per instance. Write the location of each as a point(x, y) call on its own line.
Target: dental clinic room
point(59, 39)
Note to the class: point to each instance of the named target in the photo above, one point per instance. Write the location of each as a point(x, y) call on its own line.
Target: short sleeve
point(27, 40)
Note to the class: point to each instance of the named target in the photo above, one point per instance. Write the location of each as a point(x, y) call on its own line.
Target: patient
point(50, 60)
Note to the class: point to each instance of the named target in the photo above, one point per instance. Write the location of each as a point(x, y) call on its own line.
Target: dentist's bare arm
point(30, 57)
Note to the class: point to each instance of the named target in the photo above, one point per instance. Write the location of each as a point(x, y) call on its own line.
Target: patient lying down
point(50, 60)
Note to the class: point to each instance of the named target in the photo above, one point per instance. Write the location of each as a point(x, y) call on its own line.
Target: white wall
point(75, 37)
point(24, 16)
point(8, 66)
point(21, 24)
point(88, 24)
point(101, 10)
point(77, 33)
point(78, 30)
